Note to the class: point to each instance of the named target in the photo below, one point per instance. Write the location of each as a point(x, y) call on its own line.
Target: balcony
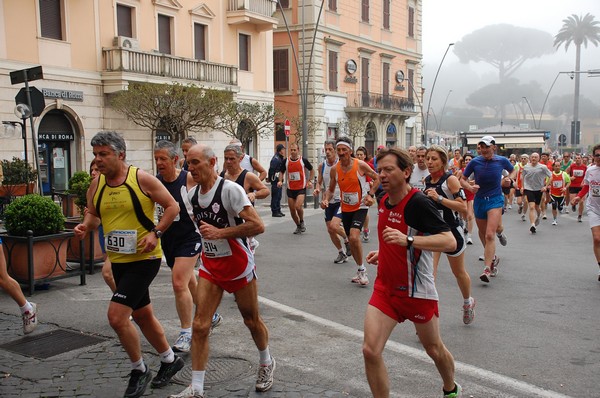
point(121, 65)
point(359, 101)
point(257, 12)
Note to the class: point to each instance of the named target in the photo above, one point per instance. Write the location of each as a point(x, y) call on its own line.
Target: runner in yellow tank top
point(135, 253)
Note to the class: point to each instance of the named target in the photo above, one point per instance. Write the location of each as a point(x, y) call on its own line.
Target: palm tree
point(577, 30)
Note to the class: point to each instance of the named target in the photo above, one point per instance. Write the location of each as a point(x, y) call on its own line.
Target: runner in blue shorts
point(489, 200)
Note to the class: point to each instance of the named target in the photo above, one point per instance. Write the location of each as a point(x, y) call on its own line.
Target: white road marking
point(526, 389)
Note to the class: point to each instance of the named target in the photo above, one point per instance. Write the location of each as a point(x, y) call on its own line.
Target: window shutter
point(200, 41)
point(51, 19)
point(124, 27)
point(333, 71)
point(164, 34)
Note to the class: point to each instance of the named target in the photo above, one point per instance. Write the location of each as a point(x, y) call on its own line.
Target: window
point(408, 137)
point(244, 52)
point(281, 81)
point(279, 132)
point(411, 76)
point(51, 19)
point(386, 14)
point(124, 24)
point(200, 41)
point(411, 21)
point(164, 34)
point(365, 10)
point(284, 3)
point(386, 80)
point(333, 71)
point(332, 4)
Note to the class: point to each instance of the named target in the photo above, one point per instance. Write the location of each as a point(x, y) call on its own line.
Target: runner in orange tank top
point(297, 184)
point(356, 197)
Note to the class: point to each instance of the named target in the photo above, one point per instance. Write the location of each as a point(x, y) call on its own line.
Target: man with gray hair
point(181, 243)
point(123, 198)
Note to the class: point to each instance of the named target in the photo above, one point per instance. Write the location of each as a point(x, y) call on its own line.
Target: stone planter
point(38, 258)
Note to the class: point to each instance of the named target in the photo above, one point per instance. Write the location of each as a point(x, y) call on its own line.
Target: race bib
point(577, 173)
point(557, 184)
point(294, 176)
point(122, 241)
point(595, 190)
point(216, 248)
point(350, 198)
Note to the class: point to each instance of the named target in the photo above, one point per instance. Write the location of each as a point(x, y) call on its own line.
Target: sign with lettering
point(56, 136)
point(67, 95)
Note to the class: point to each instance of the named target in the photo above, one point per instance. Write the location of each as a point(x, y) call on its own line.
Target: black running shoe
point(138, 381)
point(167, 371)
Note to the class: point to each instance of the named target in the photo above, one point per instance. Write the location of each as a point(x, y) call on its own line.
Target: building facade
point(90, 50)
point(358, 66)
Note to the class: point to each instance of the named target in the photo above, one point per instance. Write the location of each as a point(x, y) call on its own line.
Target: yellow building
point(364, 70)
point(91, 49)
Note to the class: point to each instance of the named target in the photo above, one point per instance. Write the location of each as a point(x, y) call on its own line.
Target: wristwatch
point(157, 232)
point(372, 195)
point(440, 198)
point(409, 241)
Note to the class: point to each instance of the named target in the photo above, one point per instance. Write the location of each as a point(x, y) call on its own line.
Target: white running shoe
point(341, 258)
point(264, 381)
point(189, 392)
point(361, 278)
point(554, 222)
point(183, 342)
point(30, 319)
point(469, 312)
point(469, 239)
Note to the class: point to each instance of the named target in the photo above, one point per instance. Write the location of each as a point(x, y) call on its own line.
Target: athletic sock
point(265, 357)
point(139, 365)
point(198, 380)
point(467, 301)
point(27, 307)
point(451, 391)
point(167, 356)
point(361, 268)
point(188, 330)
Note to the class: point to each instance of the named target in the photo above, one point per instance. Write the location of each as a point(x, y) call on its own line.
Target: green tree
point(578, 31)
point(496, 96)
point(246, 121)
point(175, 108)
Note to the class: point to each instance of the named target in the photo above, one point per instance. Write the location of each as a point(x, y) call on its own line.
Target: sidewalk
point(101, 368)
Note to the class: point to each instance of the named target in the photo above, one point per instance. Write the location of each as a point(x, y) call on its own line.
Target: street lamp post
point(433, 88)
point(531, 110)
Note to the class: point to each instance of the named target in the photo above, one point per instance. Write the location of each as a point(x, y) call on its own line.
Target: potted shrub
point(17, 174)
point(78, 186)
point(35, 235)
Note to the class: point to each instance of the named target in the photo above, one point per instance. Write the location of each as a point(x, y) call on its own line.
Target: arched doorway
point(370, 137)
point(391, 136)
point(56, 137)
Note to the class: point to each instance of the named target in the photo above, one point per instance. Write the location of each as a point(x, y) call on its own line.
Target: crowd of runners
point(430, 202)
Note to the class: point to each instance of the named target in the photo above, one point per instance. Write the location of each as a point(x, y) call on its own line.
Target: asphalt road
point(535, 333)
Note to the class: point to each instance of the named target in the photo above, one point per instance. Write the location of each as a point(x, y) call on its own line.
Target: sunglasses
point(597, 155)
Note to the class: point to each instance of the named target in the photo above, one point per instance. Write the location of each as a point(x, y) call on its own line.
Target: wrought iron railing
point(359, 99)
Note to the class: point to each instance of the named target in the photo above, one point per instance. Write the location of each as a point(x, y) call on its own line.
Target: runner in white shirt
point(591, 185)
point(420, 170)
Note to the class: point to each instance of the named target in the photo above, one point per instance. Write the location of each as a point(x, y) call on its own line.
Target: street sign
point(562, 140)
point(23, 75)
point(37, 99)
point(287, 127)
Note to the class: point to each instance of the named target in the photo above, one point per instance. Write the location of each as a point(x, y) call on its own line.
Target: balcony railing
point(262, 7)
point(164, 65)
point(258, 12)
point(359, 99)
